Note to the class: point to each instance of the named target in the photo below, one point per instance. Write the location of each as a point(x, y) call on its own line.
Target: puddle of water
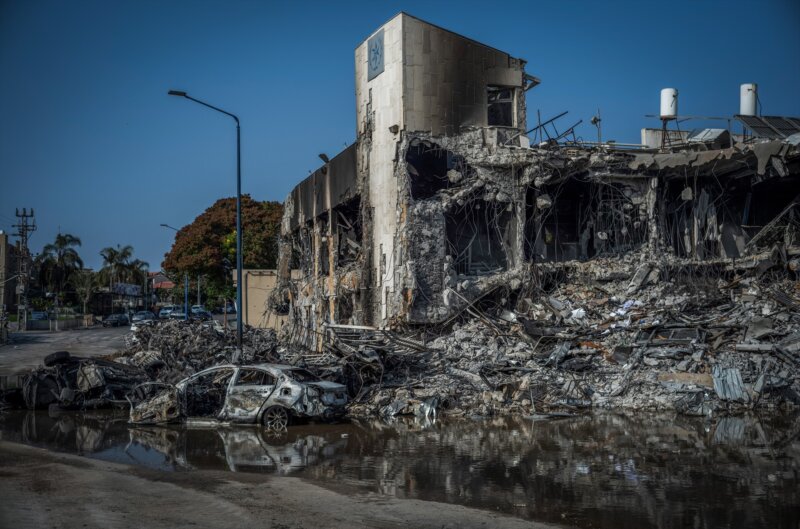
point(604, 471)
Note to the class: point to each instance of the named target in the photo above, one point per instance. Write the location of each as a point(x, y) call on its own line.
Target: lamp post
point(180, 93)
point(185, 283)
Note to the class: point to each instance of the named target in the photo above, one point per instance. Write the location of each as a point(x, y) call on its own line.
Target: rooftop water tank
point(748, 99)
point(669, 103)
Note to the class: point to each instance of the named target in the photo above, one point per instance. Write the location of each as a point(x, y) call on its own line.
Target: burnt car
point(269, 394)
point(72, 382)
point(236, 448)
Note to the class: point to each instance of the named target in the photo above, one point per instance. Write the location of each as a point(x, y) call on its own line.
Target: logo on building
point(375, 55)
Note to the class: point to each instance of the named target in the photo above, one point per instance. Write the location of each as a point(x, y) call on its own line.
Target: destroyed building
point(442, 203)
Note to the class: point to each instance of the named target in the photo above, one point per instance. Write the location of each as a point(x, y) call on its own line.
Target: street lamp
point(180, 93)
point(185, 283)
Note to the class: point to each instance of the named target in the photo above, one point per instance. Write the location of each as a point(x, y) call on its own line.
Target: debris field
point(453, 260)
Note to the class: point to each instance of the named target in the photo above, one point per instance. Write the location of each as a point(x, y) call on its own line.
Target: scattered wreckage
point(269, 394)
point(67, 382)
point(171, 350)
point(686, 344)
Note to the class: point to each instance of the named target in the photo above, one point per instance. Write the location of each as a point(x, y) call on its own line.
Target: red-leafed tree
point(207, 246)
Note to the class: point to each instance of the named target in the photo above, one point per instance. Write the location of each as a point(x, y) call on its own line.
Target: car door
point(204, 395)
point(249, 390)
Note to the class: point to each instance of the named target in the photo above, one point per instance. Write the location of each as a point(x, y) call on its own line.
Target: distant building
point(160, 281)
point(8, 271)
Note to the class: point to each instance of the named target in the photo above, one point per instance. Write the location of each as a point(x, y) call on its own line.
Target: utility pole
point(25, 226)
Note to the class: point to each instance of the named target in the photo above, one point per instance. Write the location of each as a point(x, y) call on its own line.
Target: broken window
point(254, 377)
point(348, 229)
point(477, 237)
point(696, 215)
point(576, 220)
point(302, 249)
point(718, 217)
point(431, 169)
point(501, 106)
point(344, 308)
point(324, 246)
point(558, 227)
point(205, 394)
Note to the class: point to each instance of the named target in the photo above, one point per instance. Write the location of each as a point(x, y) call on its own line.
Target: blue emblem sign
point(375, 55)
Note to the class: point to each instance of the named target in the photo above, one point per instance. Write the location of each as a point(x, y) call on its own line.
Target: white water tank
point(669, 103)
point(748, 99)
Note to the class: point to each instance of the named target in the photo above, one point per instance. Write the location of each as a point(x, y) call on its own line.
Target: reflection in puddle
point(591, 471)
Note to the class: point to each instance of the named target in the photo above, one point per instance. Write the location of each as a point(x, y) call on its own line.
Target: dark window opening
point(302, 257)
point(708, 217)
point(348, 228)
point(324, 256)
point(477, 237)
point(428, 167)
point(501, 106)
point(578, 220)
point(324, 245)
point(254, 377)
point(205, 395)
point(344, 309)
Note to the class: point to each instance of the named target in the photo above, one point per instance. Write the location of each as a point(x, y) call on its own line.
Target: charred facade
point(442, 204)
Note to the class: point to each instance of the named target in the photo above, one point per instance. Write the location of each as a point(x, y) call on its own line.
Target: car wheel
point(275, 418)
point(59, 357)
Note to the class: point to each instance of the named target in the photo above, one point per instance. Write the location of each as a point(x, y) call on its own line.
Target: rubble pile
point(695, 343)
point(540, 271)
point(172, 350)
point(67, 382)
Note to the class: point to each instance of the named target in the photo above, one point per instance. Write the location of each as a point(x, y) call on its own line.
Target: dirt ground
point(46, 489)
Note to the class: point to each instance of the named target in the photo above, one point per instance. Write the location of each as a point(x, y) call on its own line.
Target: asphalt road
point(26, 350)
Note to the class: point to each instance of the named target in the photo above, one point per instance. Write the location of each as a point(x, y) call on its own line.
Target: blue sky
point(89, 138)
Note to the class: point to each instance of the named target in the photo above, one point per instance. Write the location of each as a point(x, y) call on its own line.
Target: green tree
point(58, 261)
point(85, 284)
point(136, 271)
point(120, 267)
point(207, 246)
point(115, 260)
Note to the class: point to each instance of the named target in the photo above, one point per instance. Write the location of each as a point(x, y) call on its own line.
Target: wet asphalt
point(27, 350)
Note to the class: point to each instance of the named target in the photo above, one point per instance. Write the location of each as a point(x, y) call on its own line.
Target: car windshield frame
point(298, 374)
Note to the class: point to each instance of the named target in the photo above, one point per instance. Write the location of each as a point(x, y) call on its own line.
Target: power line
point(25, 225)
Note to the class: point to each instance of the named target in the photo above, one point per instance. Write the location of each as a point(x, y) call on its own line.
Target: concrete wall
point(446, 76)
point(433, 80)
point(325, 188)
point(425, 74)
point(379, 106)
point(258, 286)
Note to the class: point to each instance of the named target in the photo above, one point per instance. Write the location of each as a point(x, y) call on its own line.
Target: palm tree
point(115, 261)
point(136, 271)
point(85, 283)
point(59, 260)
